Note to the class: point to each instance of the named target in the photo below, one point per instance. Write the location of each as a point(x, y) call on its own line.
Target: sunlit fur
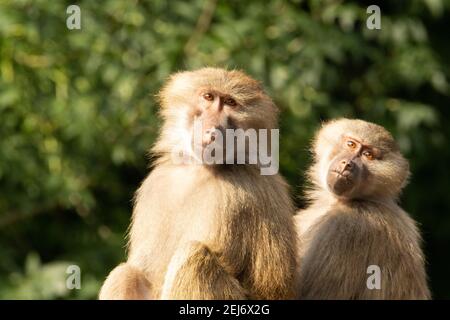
point(340, 238)
point(203, 232)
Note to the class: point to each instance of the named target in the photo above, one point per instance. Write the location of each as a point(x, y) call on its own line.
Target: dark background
point(78, 112)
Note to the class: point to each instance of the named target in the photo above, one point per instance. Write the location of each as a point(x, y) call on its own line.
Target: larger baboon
point(219, 231)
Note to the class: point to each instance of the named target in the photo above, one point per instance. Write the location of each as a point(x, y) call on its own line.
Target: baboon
point(354, 222)
point(199, 231)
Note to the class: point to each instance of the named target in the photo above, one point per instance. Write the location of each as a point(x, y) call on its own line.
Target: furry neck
point(320, 197)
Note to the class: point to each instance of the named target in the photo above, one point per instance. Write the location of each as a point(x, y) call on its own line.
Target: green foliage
point(78, 111)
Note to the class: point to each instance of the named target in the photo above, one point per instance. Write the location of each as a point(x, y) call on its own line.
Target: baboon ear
point(323, 143)
point(176, 88)
point(326, 138)
point(406, 173)
point(398, 176)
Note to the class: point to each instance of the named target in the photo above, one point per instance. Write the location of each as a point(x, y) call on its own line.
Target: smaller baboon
point(354, 224)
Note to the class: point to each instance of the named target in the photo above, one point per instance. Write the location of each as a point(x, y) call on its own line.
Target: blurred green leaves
point(45, 281)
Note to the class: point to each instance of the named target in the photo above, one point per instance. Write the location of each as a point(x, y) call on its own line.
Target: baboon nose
point(346, 165)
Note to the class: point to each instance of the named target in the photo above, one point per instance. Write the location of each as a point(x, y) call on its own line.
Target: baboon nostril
point(346, 164)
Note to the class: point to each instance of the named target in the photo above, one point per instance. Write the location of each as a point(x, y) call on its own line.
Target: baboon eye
point(231, 102)
point(351, 144)
point(208, 96)
point(368, 155)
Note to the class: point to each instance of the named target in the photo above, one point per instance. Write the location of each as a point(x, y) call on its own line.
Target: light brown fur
point(211, 232)
point(339, 238)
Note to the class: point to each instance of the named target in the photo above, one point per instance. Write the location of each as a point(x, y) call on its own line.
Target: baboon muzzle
point(344, 175)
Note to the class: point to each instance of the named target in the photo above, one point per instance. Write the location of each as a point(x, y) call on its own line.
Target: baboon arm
point(194, 272)
point(125, 282)
point(272, 272)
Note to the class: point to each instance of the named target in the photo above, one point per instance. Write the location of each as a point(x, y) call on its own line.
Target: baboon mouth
point(343, 175)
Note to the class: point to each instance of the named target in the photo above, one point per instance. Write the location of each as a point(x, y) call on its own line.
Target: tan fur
point(196, 261)
point(211, 232)
point(340, 238)
point(125, 282)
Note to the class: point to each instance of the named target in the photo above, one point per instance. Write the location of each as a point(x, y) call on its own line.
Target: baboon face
point(348, 169)
point(218, 99)
point(361, 160)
